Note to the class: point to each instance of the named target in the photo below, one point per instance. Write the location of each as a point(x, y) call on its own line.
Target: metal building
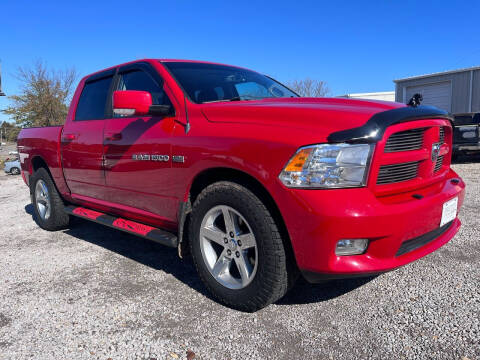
point(382, 95)
point(457, 91)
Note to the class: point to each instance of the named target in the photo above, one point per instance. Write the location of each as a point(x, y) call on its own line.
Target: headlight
point(328, 166)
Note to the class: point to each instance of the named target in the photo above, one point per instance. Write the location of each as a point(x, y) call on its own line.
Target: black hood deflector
point(373, 130)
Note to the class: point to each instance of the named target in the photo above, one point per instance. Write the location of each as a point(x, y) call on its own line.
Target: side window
point(140, 80)
point(91, 105)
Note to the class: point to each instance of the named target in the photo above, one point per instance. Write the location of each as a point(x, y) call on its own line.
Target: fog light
point(351, 246)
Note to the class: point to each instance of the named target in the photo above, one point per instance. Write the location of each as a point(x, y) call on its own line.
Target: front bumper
point(317, 219)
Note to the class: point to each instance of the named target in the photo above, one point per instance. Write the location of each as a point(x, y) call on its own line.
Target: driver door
point(137, 149)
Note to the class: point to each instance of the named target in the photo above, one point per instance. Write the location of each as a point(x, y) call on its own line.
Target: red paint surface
point(133, 226)
point(140, 101)
point(88, 213)
point(256, 138)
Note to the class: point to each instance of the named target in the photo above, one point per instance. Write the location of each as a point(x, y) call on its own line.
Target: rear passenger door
point(138, 149)
point(82, 138)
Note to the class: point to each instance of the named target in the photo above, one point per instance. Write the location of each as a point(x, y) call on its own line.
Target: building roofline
point(438, 73)
point(370, 93)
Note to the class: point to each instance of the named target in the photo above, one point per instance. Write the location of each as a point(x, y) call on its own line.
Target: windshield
point(211, 83)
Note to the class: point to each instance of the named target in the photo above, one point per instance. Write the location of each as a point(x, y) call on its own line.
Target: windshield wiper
point(235, 98)
point(246, 98)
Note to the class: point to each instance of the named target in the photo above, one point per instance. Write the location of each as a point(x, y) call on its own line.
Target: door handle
point(68, 137)
point(113, 137)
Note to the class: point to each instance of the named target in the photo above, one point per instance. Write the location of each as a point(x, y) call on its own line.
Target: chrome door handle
point(114, 137)
point(68, 137)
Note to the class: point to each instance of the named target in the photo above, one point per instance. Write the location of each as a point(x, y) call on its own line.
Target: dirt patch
point(4, 321)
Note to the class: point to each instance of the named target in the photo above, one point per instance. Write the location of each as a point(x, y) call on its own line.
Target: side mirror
point(131, 102)
point(134, 102)
point(161, 110)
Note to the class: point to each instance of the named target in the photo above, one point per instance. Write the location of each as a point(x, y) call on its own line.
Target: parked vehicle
point(466, 134)
point(255, 182)
point(12, 166)
point(13, 152)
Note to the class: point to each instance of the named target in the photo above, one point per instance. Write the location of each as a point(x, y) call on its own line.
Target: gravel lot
point(94, 293)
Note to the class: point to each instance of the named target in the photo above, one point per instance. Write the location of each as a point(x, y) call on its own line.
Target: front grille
point(395, 173)
point(405, 140)
point(438, 163)
point(415, 243)
point(442, 135)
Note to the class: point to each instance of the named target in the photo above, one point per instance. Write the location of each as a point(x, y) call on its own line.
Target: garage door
point(438, 94)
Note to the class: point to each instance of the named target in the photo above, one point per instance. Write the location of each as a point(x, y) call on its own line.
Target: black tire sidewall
point(244, 202)
point(14, 171)
point(58, 218)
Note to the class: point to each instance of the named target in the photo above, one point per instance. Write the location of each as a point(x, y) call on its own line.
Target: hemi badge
point(178, 158)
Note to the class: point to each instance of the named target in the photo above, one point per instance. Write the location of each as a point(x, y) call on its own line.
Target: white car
point(13, 153)
point(12, 167)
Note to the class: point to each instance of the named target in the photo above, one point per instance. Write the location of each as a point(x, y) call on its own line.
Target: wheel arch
point(213, 175)
point(38, 162)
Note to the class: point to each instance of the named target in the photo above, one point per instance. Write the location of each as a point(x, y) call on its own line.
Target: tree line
point(9, 131)
point(45, 95)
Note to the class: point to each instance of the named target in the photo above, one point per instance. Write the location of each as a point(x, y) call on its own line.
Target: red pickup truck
point(255, 182)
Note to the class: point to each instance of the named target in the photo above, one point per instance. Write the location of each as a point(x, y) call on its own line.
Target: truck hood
point(324, 115)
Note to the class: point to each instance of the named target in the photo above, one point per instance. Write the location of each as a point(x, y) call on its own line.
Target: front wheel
point(237, 247)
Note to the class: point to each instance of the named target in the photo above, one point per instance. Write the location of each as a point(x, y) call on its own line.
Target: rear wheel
point(14, 171)
point(48, 206)
point(237, 247)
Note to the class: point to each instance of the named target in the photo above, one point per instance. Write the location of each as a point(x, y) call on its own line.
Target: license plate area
point(449, 211)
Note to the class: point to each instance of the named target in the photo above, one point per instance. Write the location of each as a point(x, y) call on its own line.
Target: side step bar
point(148, 232)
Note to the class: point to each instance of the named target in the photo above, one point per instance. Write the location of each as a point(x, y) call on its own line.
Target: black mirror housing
point(161, 110)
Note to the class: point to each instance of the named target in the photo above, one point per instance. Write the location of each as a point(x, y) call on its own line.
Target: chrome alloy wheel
point(42, 200)
point(228, 247)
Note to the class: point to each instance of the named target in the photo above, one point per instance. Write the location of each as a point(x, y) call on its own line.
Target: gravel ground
point(94, 293)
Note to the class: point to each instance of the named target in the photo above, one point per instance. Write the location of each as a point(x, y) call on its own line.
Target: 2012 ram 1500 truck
point(256, 183)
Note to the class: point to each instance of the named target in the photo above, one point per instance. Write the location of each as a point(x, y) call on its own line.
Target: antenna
point(187, 125)
point(1, 92)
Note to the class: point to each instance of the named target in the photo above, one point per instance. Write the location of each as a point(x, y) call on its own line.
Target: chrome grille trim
point(438, 163)
point(405, 140)
point(389, 174)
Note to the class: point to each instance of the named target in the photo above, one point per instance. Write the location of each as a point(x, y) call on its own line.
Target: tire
point(266, 277)
point(14, 171)
point(48, 206)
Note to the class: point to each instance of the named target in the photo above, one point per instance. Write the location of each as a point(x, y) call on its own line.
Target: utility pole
point(1, 92)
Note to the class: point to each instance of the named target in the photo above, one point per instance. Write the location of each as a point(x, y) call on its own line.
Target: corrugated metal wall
point(476, 91)
point(460, 89)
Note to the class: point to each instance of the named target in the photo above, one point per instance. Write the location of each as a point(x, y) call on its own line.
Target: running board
point(148, 232)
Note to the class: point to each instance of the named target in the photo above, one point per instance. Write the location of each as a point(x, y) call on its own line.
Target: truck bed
point(41, 142)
